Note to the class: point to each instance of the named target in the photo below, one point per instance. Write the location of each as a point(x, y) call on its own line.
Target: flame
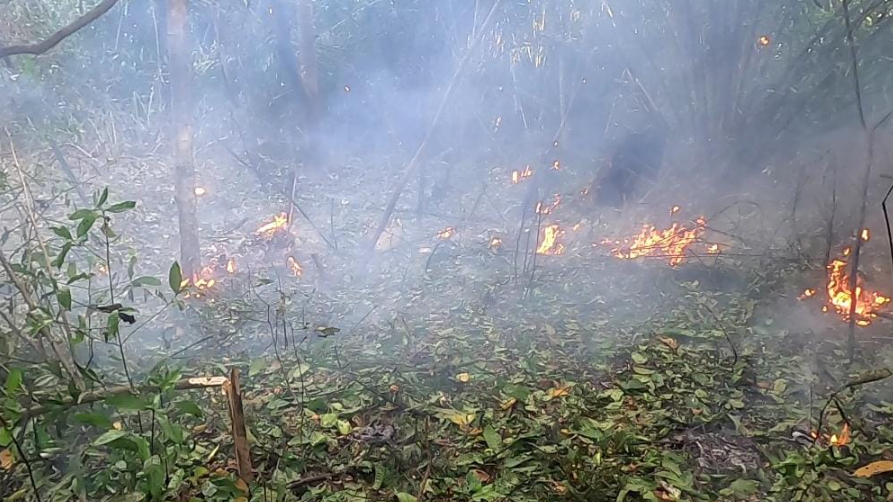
point(446, 233)
point(231, 266)
point(675, 209)
point(764, 41)
point(544, 209)
point(495, 243)
point(549, 244)
point(865, 234)
point(517, 176)
point(556, 165)
point(807, 293)
point(834, 440)
point(272, 228)
point(296, 269)
point(199, 191)
point(841, 297)
point(672, 242)
point(713, 249)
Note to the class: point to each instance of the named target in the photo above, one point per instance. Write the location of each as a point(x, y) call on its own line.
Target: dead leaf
point(463, 377)
point(669, 342)
point(481, 475)
point(6, 459)
point(508, 404)
point(242, 485)
point(874, 468)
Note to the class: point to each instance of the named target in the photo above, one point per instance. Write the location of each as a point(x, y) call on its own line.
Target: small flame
point(296, 269)
point(764, 41)
point(550, 244)
point(556, 165)
point(199, 191)
point(841, 297)
point(446, 233)
point(865, 234)
point(672, 242)
point(272, 228)
point(495, 243)
point(675, 209)
point(835, 440)
point(847, 250)
point(577, 226)
point(231, 266)
point(713, 249)
point(807, 293)
point(544, 209)
point(517, 176)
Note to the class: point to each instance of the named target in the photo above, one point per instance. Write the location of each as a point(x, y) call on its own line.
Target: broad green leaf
point(62, 232)
point(130, 402)
point(114, 321)
point(257, 367)
point(109, 437)
point(13, 381)
point(146, 281)
point(121, 206)
point(175, 278)
point(80, 214)
point(85, 225)
point(64, 297)
point(189, 407)
point(493, 439)
point(154, 476)
point(94, 419)
point(405, 497)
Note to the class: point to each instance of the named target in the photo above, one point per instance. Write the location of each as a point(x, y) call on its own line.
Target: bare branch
point(62, 34)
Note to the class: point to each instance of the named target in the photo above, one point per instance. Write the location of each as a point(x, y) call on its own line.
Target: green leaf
point(121, 206)
point(81, 214)
point(154, 477)
point(112, 325)
point(190, 408)
point(109, 437)
point(405, 497)
point(257, 367)
point(146, 281)
point(59, 260)
point(127, 402)
point(493, 439)
point(744, 487)
point(85, 225)
point(104, 196)
point(13, 381)
point(62, 232)
point(379, 476)
point(64, 297)
point(175, 278)
point(94, 419)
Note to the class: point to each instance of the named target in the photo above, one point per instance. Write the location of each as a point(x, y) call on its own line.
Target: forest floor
point(448, 369)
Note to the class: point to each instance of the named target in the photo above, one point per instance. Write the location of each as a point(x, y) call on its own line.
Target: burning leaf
point(231, 266)
point(544, 209)
point(549, 244)
point(671, 243)
point(674, 209)
point(841, 297)
point(874, 468)
point(270, 229)
point(495, 243)
point(517, 176)
point(865, 234)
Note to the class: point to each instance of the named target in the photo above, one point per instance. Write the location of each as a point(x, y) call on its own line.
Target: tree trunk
point(181, 120)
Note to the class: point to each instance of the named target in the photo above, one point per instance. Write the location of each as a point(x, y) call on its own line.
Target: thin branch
point(54, 39)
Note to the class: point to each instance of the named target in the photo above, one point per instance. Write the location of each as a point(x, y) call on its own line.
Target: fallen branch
point(62, 34)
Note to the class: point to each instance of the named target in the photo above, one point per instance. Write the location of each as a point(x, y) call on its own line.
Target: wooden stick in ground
point(240, 434)
point(414, 162)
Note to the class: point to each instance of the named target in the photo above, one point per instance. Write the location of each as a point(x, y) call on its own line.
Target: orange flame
point(544, 209)
point(674, 209)
point(764, 41)
point(231, 266)
point(550, 244)
point(272, 228)
point(446, 233)
point(495, 243)
point(296, 269)
point(865, 234)
point(834, 440)
point(517, 176)
point(672, 242)
point(841, 297)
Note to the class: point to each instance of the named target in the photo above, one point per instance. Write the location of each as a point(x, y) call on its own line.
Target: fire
point(199, 191)
point(865, 234)
point(517, 176)
point(231, 266)
point(808, 293)
point(764, 41)
point(544, 209)
point(675, 209)
point(272, 228)
point(835, 440)
point(672, 242)
point(202, 280)
point(296, 269)
point(550, 244)
point(713, 249)
point(556, 165)
point(495, 243)
point(446, 233)
point(841, 297)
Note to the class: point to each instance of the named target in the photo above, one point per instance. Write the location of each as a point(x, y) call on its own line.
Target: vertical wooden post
point(240, 433)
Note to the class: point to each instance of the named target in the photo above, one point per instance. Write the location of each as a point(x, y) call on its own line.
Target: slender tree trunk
point(181, 119)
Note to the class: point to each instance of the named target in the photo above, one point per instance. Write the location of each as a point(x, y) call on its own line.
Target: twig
point(62, 34)
point(724, 332)
point(866, 378)
point(22, 456)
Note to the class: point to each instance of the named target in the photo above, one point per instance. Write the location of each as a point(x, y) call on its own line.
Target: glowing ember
point(200, 281)
point(841, 297)
point(556, 165)
point(544, 209)
point(517, 176)
point(200, 191)
point(671, 243)
point(296, 269)
point(865, 234)
point(446, 233)
point(674, 209)
point(764, 41)
point(808, 293)
point(272, 228)
point(231, 266)
point(495, 243)
point(713, 249)
point(549, 244)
